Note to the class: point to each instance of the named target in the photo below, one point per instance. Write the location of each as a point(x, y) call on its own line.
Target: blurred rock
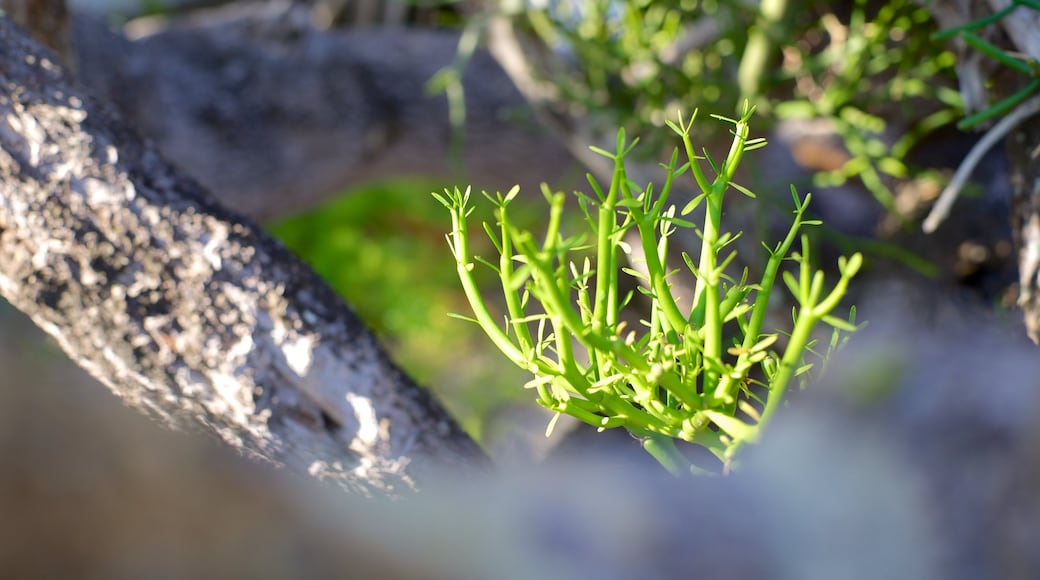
point(917, 457)
point(94, 491)
point(942, 419)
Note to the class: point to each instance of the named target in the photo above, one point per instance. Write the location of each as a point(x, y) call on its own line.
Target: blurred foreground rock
point(919, 457)
point(94, 491)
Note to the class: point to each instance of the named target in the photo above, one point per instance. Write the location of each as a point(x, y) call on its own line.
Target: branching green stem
point(673, 380)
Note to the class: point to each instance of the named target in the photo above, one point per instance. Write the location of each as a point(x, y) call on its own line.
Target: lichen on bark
point(186, 311)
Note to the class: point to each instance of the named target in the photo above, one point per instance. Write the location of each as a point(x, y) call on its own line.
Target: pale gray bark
point(186, 311)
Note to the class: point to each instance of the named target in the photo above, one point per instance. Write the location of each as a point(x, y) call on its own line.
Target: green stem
point(663, 449)
point(706, 292)
point(789, 364)
point(604, 311)
point(506, 274)
point(975, 24)
point(657, 269)
point(810, 313)
point(760, 46)
point(727, 390)
point(713, 214)
point(1001, 107)
point(464, 267)
point(786, 370)
point(556, 301)
point(992, 51)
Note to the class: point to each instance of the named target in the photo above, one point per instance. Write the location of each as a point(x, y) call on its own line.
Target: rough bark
point(186, 311)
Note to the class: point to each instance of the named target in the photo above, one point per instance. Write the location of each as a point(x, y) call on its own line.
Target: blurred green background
point(383, 248)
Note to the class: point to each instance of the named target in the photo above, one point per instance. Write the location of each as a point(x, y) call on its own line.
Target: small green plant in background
point(878, 66)
point(705, 373)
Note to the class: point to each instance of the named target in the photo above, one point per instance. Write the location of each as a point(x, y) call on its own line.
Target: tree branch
point(186, 311)
point(274, 118)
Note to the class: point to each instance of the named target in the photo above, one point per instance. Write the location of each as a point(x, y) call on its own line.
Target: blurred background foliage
point(870, 70)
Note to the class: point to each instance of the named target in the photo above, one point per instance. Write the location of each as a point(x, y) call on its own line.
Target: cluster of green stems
point(705, 373)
